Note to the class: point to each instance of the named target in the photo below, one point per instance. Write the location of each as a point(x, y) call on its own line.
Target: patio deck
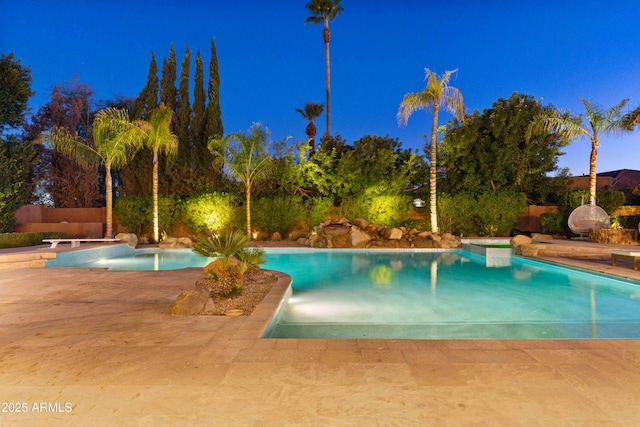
point(104, 342)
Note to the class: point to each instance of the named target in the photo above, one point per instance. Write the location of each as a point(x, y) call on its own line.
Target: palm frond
point(71, 145)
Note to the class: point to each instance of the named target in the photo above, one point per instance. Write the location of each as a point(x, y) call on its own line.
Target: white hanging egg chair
point(585, 217)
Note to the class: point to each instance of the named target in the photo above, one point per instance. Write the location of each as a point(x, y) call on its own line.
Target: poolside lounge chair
point(632, 256)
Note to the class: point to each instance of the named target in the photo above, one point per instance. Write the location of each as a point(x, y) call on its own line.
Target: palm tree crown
point(116, 141)
point(437, 94)
point(325, 11)
point(247, 157)
point(311, 111)
point(599, 122)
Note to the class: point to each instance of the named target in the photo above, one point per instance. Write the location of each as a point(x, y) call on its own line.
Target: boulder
point(318, 241)
point(297, 234)
point(527, 249)
point(276, 237)
point(540, 236)
point(520, 240)
point(336, 230)
point(402, 243)
point(193, 302)
point(392, 233)
point(302, 241)
point(361, 223)
point(175, 243)
point(423, 242)
point(382, 243)
point(359, 238)
point(128, 238)
point(340, 241)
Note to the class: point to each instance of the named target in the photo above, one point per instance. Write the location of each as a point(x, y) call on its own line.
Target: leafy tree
point(247, 157)
point(437, 93)
point(311, 111)
point(489, 151)
point(15, 91)
point(17, 155)
point(67, 183)
point(160, 139)
point(116, 140)
point(599, 122)
point(325, 11)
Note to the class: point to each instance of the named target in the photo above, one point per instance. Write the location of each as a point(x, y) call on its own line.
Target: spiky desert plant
point(250, 259)
point(223, 246)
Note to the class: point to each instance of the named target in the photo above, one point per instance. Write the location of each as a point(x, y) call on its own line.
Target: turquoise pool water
point(428, 295)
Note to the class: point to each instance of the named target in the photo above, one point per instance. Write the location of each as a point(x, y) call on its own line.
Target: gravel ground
point(256, 286)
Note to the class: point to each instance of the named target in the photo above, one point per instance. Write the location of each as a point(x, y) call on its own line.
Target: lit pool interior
point(427, 294)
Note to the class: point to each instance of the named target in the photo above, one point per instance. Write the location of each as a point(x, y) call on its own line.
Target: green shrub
point(277, 213)
point(134, 213)
point(456, 214)
point(498, 212)
point(551, 223)
point(487, 214)
point(610, 200)
point(18, 240)
point(318, 208)
point(210, 211)
point(390, 210)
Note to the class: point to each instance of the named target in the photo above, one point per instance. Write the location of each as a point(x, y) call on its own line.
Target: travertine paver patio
point(104, 342)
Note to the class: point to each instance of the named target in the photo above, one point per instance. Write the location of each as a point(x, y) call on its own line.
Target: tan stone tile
point(282, 344)
point(251, 355)
point(488, 356)
point(372, 344)
point(382, 356)
point(340, 356)
point(432, 355)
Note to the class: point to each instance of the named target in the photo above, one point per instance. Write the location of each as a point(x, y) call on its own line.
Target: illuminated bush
point(390, 210)
point(210, 211)
point(318, 209)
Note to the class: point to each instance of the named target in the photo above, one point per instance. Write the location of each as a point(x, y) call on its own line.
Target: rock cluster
point(342, 233)
point(176, 243)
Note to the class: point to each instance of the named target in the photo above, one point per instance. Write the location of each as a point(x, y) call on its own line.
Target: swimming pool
point(430, 294)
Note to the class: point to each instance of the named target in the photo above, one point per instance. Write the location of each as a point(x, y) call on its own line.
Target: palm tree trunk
point(327, 36)
point(592, 171)
point(109, 202)
point(248, 202)
point(156, 233)
point(433, 170)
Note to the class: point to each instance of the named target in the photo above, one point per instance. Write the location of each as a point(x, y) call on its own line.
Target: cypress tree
point(168, 80)
point(135, 175)
point(148, 98)
point(181, 179)
point(198, 136)
point(214, 113)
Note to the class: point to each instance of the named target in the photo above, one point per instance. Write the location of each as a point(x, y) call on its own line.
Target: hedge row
point(17, 240)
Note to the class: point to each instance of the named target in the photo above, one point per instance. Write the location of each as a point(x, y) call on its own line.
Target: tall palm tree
point(116, 140)
point(600, 123)
point(246, 156)
point(311, 111)
point(160, 139)
point(325, 11)
point(437, 94)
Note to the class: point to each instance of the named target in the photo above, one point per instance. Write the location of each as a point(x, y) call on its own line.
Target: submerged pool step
point(25, 260)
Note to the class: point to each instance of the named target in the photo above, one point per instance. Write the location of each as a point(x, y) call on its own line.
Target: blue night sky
point(271, 62)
